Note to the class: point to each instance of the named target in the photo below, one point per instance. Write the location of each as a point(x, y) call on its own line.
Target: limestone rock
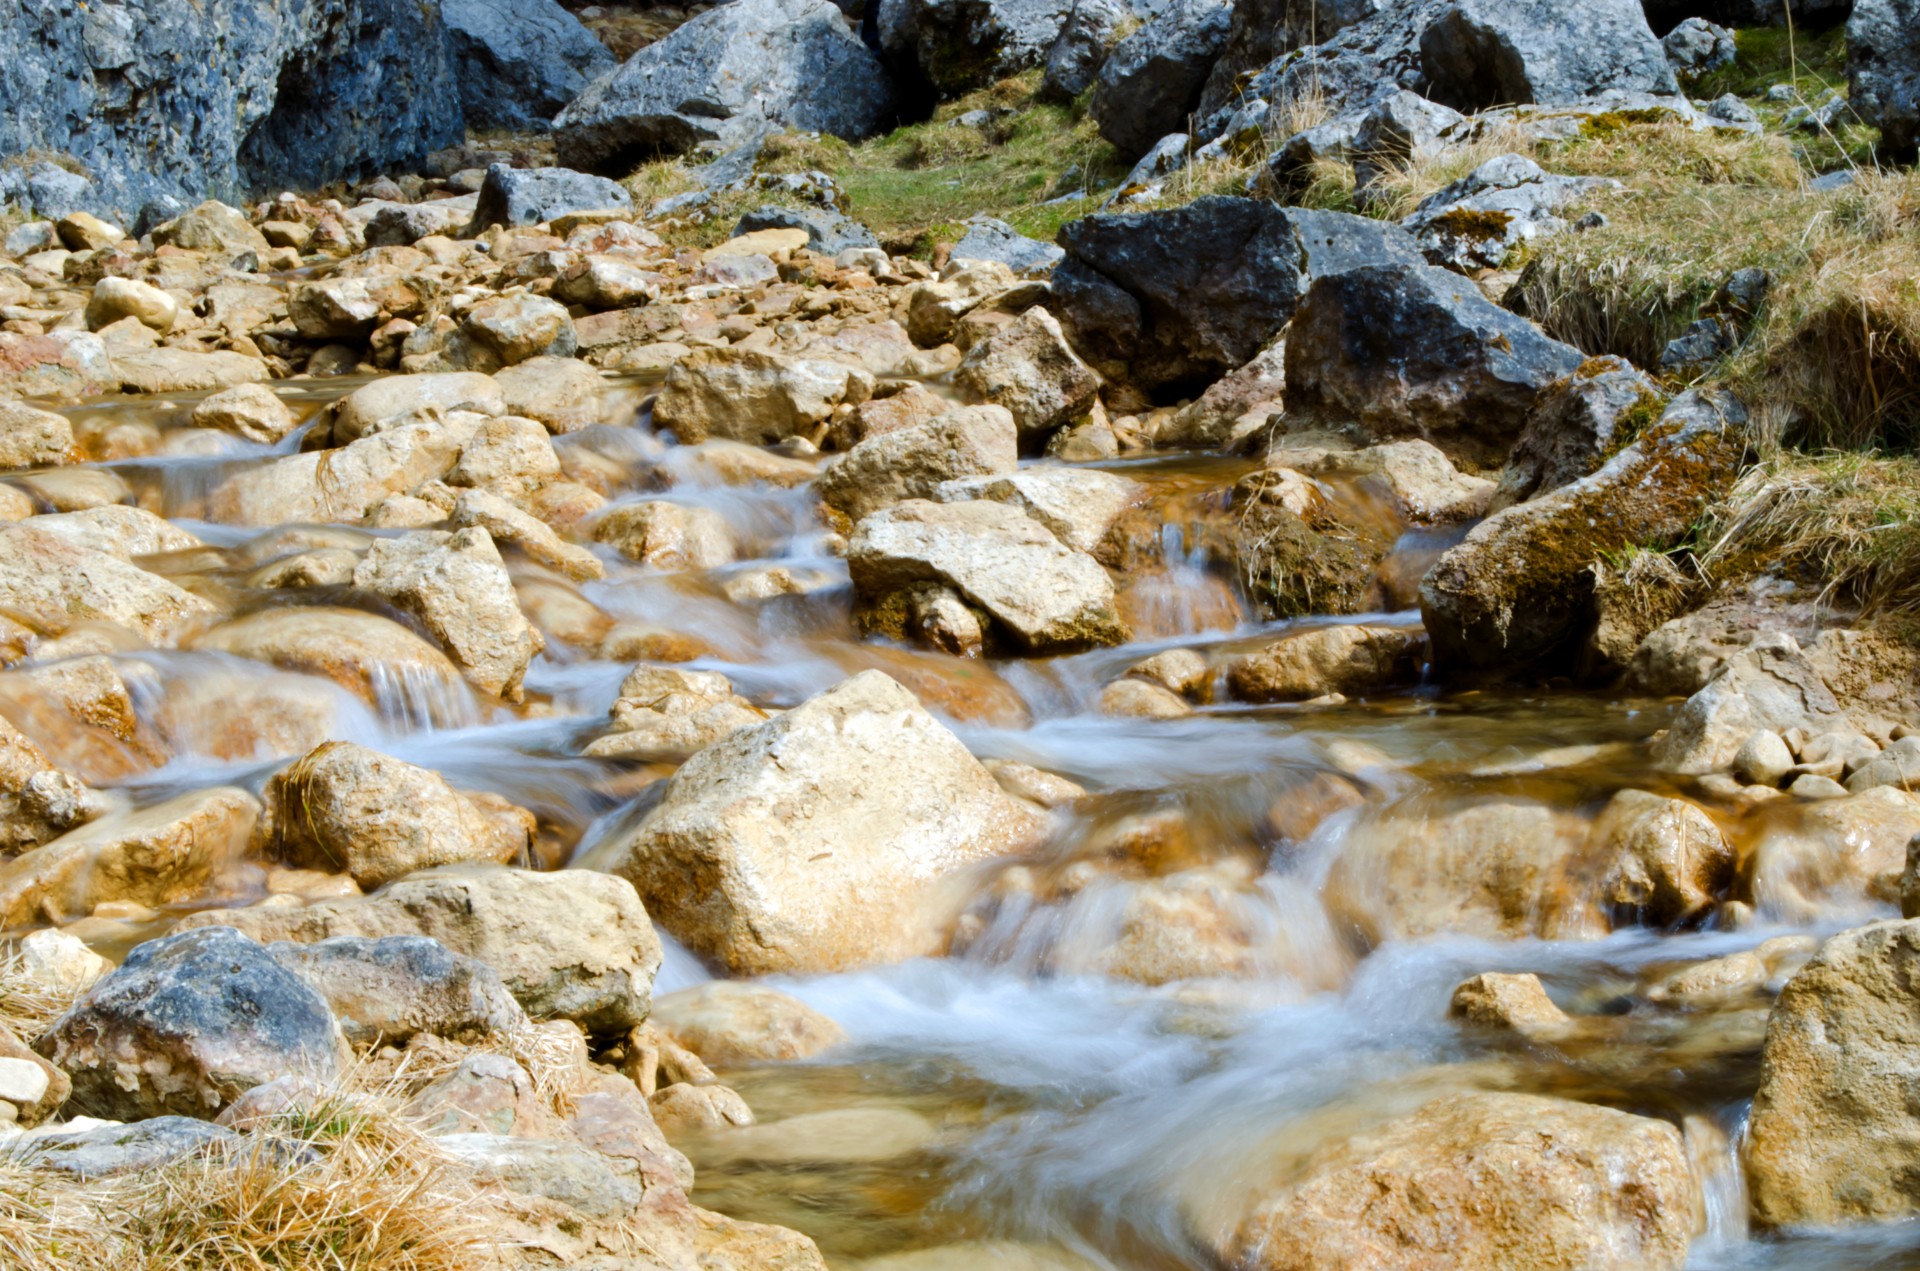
point(1029, 368)
point(750, 395)
point(667, 535)
point(1839, 858)
point(54, 584)
point(1320, 660)
point(731, 1024)
point(251, 411)
point(396, 400)
point(387, 990)
point(1078, 504)
point(912, 462)
point(33, 438)
point(527, 196)
point(1771, 685)
point(457, 586)
point(1664, 858)
point(372, 657)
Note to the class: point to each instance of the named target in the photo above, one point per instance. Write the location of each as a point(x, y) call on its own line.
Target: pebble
point(22, 1082)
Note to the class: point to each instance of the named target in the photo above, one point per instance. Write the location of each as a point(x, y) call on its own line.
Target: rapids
point(1014, 1099)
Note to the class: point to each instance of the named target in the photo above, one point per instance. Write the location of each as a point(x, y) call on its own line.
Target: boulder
point(251, 411)
point(519, 61)
point(1392, 351)
point(1398, 130)
point(528, 196)
point(393, 401)
point(912, 462)
point(956, 46)
point(1579, 422)
point(343, 309)
point(1029, 368)
point(64, 364)
point(1837, 859)
point(1482, 1180)
point(34, 438)
point(1518, 588)
point(1086, 38)
point(666, 535)
point(563, 393)
point(385, 991)
point(344, 484)
point(374, 658)
point(1078, 504)
point(1663, 859)
point(506, 523)
point(784, 849)
point(1173, 300)
point(457, 586)
point(186, 1024)
point(1506, 203)
point(170, 370)
point(1832, 1130)
point(731, 1025)
point(54, 584)
point(1698, 46)
point(829, 232)
point(169, 853)
point(725, 76)
point(995, 240)
point(573, 945)
point(346, 808)
point(751, 395)
point(1770, 685)
point(1481, 53)
point(1883, 73)
point(227, 97)
point(1042, 595)
point(1151, 82)
point(1320, 660)
point(1264, 30)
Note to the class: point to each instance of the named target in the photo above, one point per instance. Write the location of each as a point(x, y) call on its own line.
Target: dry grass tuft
point(1400, 186)
point(30, 1002)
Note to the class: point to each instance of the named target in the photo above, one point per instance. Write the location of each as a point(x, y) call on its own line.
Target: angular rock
point(520, 61)
point(1151, 82)
point(1481, 53)
point(665, 535)
point(956, 46)
point(1771, 685)
point(458, 587)
point(995, 240)
point(346, 808)
point(111, 1150)
point(783, 848)
point(54, 584)
point(188, 1023)
point(571, 945)
point(750, 395)
point(912, 462)
point(1580, 421)
point(528, 196)
point(345, 484)
point(1697, 46)
point(1883, 73)
point(1043, 595)
point(1076, 55)
point(1506, 203)
point(397, 400)
point(1028, 367)
point(723, 77)
point(667, 715)
point(251, 411)
point(829, 232)
point(34, 438)
point(386, 990)
point(374, 658)
point(1078, 504)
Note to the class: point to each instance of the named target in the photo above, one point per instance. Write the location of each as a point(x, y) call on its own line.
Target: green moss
point(1612, 122)
point(1812, 62)
point(1474, 225)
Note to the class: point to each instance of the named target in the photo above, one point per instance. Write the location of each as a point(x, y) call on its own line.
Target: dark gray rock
point(1354, 65)
point(1080, 50)
point(1395, 351)
point(728, 74)
point(1703, 343)
point(1481, 53)
point(1728, 111)
point(1264, 30)
point(404, 224)
point(954, 46)
point(1151, 81)
point(1173, 300)
point(520, 61)
point(528, 196)
point(1579, 421)
point(829, 232)
point(394, 987)
point(1476, 222)
point(1518, 590)
point(122, 1149)
point(990, 239)
point(225, 98)
point(1395, 130)
point(187, 1023)
point(1697, 46)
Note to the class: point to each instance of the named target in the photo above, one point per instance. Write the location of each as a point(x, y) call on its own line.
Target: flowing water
point(1192, 977)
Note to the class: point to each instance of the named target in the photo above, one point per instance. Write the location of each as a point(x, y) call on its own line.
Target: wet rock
point(1178, 298)
point(731, 1024)
point(187, 1023)
point(1483, 1179)
point(1041, 594)
point(1078, 504)
point(1883, 73)
point(1414, 477)
point(528, 196)
point(54, 584)
point(1832, 1129)
point(749, 395)
point(570, 945)
point(1028, 368)
point(1151, 82)
point(395, 401)
point(1763, 759)
point(997, 241)
point(1392, 351)
point(1505, 204)
point(1142, 699)
point(171, 852)
point(1663, 859)
point(374, 658)
point(506, 523)
point(1518, 588)
point(1516, 1004)
point(667, 715)
point(674, 536)
point(778, 850)
point(726, 76)
point(166, 370)
point(1836, 859)
point(519, 61)
point(1580, 421)
point(681, 1109)
point(1321, 660)
point(125, 532)
point(911, 462)
point(344, 807)
point(251, 411)
point(1771, 685)
point(386, 990)
point(457, 586)
point(116, 298)
point(33, 438)
point(1297, 557)
point(108, 1151)
point(345, 484)
point(509, 455)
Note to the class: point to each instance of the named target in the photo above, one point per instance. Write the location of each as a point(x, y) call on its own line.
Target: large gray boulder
point(1081, 48)
point(521, 61)
point(1264, 30)
point(726, 76)
point(224, 98)
point(1481, 53)
point(528, 196)
point(187, 1024)
point(954, 46)
point(1173, 300)
point(1152, 80)
point(1391, 351)
point(1883, 72)
point(1504, 204)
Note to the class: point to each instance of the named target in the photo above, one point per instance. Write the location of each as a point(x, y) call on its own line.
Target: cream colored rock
point(252, 411)
point(54, 584)
point(563, 393)
point(335, 308)
point(1331, 659)
point(346, 807)
point(1664, 858)
point(1142, 699)
point(125, 532)
point(1835, 859)
point(506, 523)
point(667, 535)
point(116, 298)
point(211, 227)
point(1045, 596)
point(750, 395)
point(571, 945)
point(343, 484)
point(60, 961)
point(236, 718)
point(372, 657)
point(913, 462)
point(1832, 1134)
point(171, 852)
point(1078, 504)
point(509, 455)
point(1415, 478)
point(398, 400)
point(1028, 367)
point(85, 232)
point(1498, 1182)
point(1516, 1004)
point(730, 1024)
point(935, 308)
point(1769, 685)
point(76, 489)
point(666, 715)
point(795, 846)
point(1184, 671)
point(170, 370)
point(457, 586)
point(33, 438)
point(38, 802)
point(1763, 759)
